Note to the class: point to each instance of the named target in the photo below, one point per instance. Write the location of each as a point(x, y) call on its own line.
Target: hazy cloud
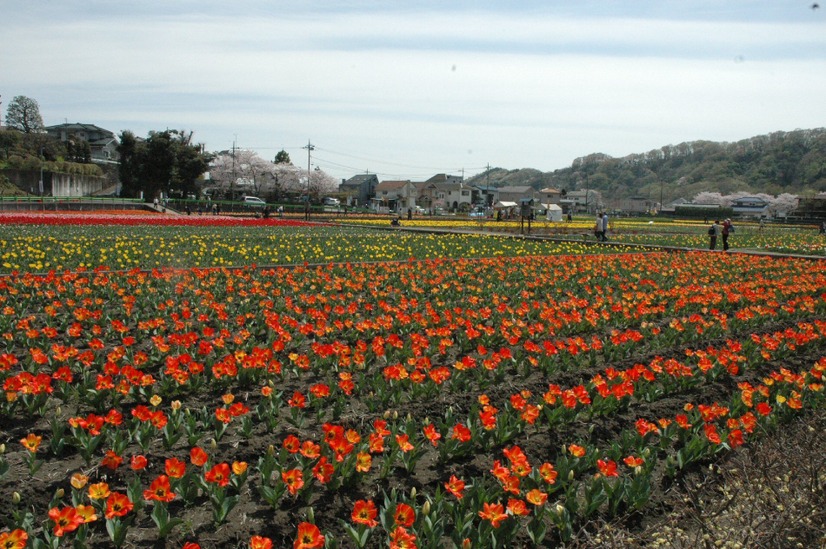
point(435, 86)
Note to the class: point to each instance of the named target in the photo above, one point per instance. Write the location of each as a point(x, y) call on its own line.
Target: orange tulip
point(365, 512)
point(308, 537)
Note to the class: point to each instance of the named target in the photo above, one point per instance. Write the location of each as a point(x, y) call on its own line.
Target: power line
point(419, 171)
point(378, 161)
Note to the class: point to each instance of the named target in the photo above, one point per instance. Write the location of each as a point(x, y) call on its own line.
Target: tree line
point(777, 163)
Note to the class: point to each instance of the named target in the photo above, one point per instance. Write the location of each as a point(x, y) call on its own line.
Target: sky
point(410, 89)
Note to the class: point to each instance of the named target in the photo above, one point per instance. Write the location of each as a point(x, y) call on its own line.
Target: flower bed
point(484, 402)
point(41, 248)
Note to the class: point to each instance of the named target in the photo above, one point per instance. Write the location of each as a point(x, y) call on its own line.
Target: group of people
point(601, 227)
point(723, 230)
point(266, 212)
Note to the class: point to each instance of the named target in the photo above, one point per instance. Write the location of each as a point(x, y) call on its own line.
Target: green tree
point(9, 140)
point(78, 150)
point(282, 157)
point(24, 114)
point(166, 161)
point(130, 164)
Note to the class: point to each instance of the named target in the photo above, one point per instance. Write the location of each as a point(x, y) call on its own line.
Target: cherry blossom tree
point(782, 203)
point(706, 197)
point(240, 172)
point(244, 172)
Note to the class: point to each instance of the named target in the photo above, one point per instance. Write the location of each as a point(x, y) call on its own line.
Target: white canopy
point(553, 212)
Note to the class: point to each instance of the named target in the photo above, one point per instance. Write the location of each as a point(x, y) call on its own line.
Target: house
point(102, 143)
point(635, 205)
point(585, 200)
point(813, 207)
point(516, 193)
point(549, 195)
point(395, 196)
point(427, 194)
point(359, 189)
point(485, 194)
point(443, 191)
point(750, 206)
point(453, 196)
point(444, 178)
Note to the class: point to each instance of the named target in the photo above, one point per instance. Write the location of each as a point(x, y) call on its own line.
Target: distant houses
point(359, 189)
point(439, 192)
point(451, 193)
point(583, 200)
point(750, 206)
point(103, 144)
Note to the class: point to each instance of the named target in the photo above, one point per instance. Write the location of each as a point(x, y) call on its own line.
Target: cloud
point(420, 85)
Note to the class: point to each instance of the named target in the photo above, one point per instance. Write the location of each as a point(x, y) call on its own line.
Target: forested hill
point(780, 162)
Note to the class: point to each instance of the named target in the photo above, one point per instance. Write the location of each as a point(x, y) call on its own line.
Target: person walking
point(727, 229)
point(605, 227)
point(713, 232)
point(598, 227)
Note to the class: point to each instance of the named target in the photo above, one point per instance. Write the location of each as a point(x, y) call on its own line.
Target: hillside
point(780, 162)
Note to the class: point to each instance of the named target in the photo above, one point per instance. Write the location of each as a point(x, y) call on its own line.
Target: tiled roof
point(390, 185)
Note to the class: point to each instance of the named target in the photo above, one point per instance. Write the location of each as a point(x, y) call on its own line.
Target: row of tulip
point(41, 248)
point(584, 478)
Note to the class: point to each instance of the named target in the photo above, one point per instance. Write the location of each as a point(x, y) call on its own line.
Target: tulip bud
point(270, 450)
point(15, 498)
point(413, 493)
point(59, 493)
point(426, 508)
point(311, 515)
point(386, 414)
point(2, 449)
point(560, 509)
point(58, 411)
point(213, 444)
point(79, 481)
point(395, 414)
point(570, 475)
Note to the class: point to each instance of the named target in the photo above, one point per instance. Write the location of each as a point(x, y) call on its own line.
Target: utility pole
point(310, 148)
point(42, 160)
point(661, 196)
point(488, 195)
point(232, 183)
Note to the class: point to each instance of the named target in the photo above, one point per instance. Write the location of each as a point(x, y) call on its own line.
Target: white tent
point(553, 212)
point(505, 205)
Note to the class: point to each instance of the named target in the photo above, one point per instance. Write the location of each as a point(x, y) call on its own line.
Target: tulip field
point(274, 383)
point(790, 239)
